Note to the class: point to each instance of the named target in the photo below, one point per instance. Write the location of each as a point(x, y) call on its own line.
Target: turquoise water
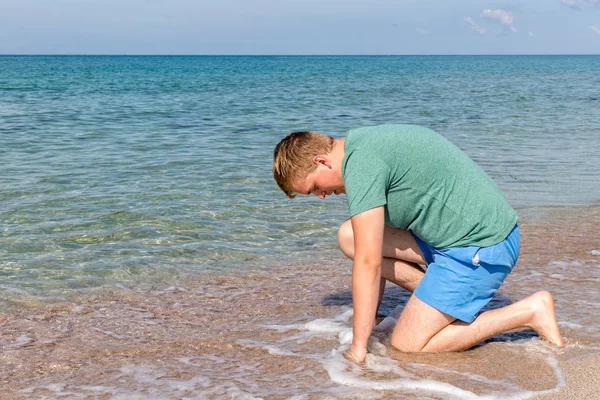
point(129, 170)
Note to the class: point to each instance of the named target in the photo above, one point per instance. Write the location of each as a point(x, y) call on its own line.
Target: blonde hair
point(293, 157)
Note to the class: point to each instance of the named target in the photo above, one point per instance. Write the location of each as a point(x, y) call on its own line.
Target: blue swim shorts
point(460, 281)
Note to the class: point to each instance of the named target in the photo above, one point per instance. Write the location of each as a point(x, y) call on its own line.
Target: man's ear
point(322, 159)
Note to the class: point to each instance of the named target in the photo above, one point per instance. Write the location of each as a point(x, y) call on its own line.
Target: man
point(416, 199)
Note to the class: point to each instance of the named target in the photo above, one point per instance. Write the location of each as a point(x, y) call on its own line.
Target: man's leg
point(403, 273)
point(422, 328)
point(401, 255)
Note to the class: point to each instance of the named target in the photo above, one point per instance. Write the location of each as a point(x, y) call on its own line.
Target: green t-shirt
point(427, 185)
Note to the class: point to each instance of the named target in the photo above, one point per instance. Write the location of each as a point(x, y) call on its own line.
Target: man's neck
point(338, 149)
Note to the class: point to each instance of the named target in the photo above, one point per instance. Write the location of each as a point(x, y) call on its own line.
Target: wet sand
point(582, 376)
point(213, 338)
point(575, 235)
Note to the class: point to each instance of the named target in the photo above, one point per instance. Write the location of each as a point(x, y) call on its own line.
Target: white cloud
point(530, 34)
point(504, 17)
point(596, 29)
point(579, 4)
point(474, 26)
point(422, 31)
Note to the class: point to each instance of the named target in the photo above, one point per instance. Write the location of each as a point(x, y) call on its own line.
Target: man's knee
point(346, 239)
point(405, 346)
point(417, 325)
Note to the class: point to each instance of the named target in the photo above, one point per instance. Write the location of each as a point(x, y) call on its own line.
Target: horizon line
point(290, 55)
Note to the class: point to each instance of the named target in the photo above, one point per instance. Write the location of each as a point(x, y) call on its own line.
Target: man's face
point(323, 181)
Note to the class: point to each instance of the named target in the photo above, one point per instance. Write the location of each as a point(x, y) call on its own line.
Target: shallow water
point(280, 334)
point(141, 169)
point(145, 251)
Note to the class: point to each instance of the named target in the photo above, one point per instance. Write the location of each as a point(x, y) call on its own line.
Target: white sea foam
point(324, 326)
point(337, 368)
point(141, 382)
point(385, 364)
point(360, 379)
point(345, 336)
point(270, 348)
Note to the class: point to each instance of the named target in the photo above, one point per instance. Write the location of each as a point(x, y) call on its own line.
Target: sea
point(147, 253)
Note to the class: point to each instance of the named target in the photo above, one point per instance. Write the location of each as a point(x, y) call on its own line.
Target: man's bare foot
point(356, 354)
point(544, 318)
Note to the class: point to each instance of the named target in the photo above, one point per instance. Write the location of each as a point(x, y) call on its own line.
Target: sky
point(299, 27)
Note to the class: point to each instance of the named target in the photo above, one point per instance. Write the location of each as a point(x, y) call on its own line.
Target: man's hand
point(356, 354)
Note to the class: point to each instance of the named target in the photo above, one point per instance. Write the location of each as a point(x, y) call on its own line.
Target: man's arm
point(366, 274)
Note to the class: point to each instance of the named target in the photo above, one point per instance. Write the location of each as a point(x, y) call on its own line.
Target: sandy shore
point(217, 338)
point(583, 380)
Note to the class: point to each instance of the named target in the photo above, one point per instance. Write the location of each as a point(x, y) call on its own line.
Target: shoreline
point(210, 336)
